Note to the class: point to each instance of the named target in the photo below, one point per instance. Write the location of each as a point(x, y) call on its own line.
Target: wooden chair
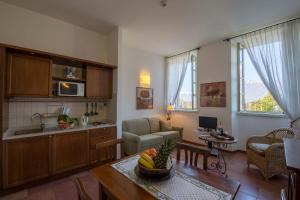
point(107, 151)
point(190, 150)
point(82, 194)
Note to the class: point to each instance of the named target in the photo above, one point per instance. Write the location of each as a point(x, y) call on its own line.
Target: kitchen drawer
point(98, 136)
point(101, 135)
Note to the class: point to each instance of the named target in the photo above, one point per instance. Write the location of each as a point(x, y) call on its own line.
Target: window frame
point(194, 83)
point(240, 103)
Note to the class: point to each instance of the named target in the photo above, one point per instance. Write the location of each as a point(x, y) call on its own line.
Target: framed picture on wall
point(213, 94)
point(144, 98)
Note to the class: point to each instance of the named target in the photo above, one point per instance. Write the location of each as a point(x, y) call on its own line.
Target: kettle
point(84, 120)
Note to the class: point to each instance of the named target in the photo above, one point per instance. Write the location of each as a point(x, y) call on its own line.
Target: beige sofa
point(144, 133)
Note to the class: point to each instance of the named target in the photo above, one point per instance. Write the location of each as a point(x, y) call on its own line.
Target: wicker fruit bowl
point(155, 172)
point(156, 164)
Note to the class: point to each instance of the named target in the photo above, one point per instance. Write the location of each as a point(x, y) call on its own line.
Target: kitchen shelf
point(68, 79)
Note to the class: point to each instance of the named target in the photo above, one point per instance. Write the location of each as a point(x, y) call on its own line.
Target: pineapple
point(161, 159)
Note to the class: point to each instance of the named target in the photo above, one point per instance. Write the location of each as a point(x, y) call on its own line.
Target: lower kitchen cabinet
point(97, 136)
point(26, 160)
point(33, 158)
point(70, 151)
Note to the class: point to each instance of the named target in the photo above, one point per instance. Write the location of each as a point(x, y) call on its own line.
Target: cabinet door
point(3, 102)
point(26, 160)
point(70, 151)
point(28, 75)
point(98, 136)
point(99, 82)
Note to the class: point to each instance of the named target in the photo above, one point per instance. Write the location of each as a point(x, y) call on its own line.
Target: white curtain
point(275, 53)
point(175, 71)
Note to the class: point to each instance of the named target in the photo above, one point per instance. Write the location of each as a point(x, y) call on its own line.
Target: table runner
point(180, 186)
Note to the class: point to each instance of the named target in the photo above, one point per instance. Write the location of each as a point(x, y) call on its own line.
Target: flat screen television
point(208, 122)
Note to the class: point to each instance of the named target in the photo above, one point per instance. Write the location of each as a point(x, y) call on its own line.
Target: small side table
point(216, 147)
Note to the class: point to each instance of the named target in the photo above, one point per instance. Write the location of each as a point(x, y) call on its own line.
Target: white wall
point(256, 125)
point(132, 62)
point(29, 29)
point(214, 65)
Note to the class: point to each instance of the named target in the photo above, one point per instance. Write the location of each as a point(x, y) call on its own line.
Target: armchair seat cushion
point(172, 135)
point(260, 148)
point(150, 140)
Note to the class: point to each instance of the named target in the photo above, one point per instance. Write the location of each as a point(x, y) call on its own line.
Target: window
point(254, 96)
point(182, 81)
point(186, 99)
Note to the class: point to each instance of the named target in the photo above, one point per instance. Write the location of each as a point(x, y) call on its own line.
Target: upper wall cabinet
point(99, 82)
point(28, 75)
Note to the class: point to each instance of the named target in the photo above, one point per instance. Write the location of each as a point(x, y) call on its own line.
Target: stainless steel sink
point(36, 130)
point(28, 131)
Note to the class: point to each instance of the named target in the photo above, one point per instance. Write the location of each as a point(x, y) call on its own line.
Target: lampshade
point(145, 79)
point(170, 107)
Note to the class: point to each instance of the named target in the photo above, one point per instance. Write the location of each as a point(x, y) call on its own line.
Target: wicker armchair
point(267, 152)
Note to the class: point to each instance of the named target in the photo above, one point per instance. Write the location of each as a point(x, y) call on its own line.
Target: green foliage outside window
point(265, 104)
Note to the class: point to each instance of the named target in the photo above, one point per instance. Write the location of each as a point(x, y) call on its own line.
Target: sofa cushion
point(150, 140)
point(165, 125)
point(172, 135)
point(258, 147)
point(154, 125)
point(136, 126)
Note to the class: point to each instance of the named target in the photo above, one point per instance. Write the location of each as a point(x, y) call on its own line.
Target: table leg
point(102, 194)
point(220, 164)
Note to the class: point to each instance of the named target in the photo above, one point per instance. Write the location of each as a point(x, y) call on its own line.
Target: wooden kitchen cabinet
point(98, 136)
point(3, 103)
point(26, 160)
point(99, 82)
point(70, 151)
point(28, 76)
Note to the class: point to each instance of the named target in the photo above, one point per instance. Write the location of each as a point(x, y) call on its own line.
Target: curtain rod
point(183, 52)
point(228, 39)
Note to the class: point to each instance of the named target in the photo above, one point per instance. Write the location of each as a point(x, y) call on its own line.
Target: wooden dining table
point(114, 185)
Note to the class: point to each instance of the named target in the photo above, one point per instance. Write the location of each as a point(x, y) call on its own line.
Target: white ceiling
point(182, 25)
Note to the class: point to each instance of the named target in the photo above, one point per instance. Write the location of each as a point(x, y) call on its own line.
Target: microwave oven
point(66, 88)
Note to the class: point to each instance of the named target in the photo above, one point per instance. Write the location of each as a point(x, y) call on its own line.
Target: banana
point(145, 163)
point(147, 158)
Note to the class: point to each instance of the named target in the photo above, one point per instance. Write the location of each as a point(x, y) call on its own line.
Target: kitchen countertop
point(9, 134)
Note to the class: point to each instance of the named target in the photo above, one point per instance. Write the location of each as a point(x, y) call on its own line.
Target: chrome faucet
point(41, 117)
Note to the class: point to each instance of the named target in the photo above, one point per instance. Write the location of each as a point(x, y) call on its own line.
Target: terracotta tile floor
point(253, 185)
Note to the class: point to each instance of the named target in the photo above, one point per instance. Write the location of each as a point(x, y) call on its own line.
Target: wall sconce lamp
point(145, 79)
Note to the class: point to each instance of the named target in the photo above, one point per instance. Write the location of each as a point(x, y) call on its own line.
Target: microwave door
point(68, 89)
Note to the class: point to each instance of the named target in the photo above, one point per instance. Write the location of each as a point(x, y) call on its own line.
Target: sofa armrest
point(275, 152)
point(132, 143)
point(258, 139)
point(275, 147)
point(127, 136)
point(180, 129)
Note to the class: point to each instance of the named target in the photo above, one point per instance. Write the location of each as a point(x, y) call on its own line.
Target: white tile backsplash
point(20, 112)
